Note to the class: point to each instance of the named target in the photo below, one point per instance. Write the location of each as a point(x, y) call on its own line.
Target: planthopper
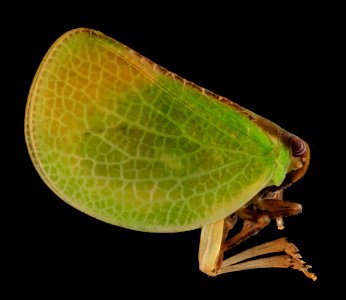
point(130, 143)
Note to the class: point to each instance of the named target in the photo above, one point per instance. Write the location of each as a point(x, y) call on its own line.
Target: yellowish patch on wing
point(84, 78)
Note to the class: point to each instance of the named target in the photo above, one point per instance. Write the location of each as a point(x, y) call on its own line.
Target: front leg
point(273, 204)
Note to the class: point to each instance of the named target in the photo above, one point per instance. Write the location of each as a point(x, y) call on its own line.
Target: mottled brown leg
point(290, 259)
point(250, 228)
point(214, 241)
point(276, 195)
point(278, 208)
point(259, 216)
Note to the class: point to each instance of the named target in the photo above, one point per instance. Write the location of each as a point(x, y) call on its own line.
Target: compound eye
point(298, 146)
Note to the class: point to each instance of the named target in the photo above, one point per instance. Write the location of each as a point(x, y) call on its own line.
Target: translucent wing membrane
point(128, 142)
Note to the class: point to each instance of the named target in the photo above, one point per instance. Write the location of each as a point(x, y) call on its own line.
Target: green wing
point(124, 140)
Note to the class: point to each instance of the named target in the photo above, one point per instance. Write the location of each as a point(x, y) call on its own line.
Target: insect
point(126, 141)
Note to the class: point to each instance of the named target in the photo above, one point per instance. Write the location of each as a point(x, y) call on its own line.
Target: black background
point(271, 60)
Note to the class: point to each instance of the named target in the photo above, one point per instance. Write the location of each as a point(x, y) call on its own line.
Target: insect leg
point(276, 207)
point(214, 244)
point(210, 247)
point(290, 259)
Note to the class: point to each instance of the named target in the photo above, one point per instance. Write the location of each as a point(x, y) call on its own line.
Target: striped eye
point(298, 146)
